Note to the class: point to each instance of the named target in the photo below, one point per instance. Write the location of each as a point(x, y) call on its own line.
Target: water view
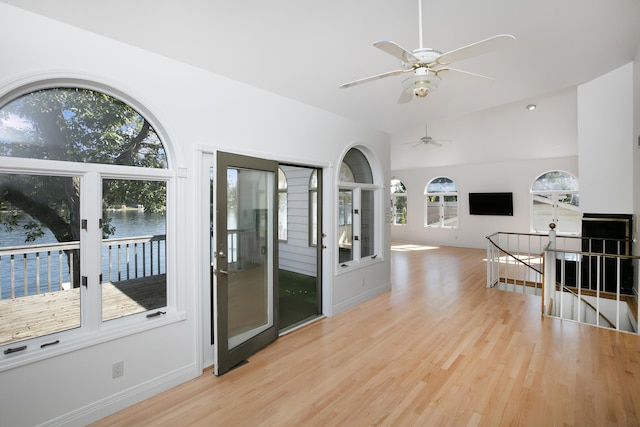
point(125, 223)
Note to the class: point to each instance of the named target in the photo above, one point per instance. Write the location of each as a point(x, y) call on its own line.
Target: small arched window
point(356, 208)
point(555, 198)
point(398, 202)
point(441, 203)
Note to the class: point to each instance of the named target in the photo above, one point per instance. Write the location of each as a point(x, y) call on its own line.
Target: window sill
point(70, 341)
point(357, 265)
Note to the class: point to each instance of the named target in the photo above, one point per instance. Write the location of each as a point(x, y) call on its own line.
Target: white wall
point(514, 176)
point(199, 112)
point(606, 142)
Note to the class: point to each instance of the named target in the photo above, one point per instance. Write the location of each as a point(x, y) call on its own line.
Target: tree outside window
point(44, 213)
point(398, 202)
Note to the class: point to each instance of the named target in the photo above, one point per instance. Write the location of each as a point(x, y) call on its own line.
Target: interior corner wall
point(606, 143)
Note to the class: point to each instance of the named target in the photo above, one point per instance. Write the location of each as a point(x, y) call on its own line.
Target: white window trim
point(378, 256)
point(92, 332)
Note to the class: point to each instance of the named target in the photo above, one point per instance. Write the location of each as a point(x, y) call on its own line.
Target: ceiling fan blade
point(475, 49)
point(434, 142)
point(372, 78)
point(396, 50)
point(465, 73)
point(405, 97)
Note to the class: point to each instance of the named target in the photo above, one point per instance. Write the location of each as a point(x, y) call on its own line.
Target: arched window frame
point(441, 203)
point(555, 198)
point(398, 202)
point(94, 327)
point(359, 199)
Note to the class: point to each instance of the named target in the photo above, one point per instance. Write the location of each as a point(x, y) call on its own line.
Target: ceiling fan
point(426, 140)
point(426, 64)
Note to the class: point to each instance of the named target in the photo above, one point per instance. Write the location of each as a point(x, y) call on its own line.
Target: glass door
point(246, 257)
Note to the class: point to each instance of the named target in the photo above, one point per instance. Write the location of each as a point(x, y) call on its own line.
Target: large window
point(441, 203)
point(398, 203)
point(555, 199)
point(83, 203)
point(356, 209)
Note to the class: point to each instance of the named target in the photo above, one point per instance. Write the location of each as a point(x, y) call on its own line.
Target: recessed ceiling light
point(531, 107)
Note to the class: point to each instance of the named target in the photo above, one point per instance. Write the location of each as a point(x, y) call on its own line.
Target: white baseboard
point(350, 303)
point(116, 402)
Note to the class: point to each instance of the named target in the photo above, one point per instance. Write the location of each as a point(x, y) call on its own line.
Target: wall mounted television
point(491, 204)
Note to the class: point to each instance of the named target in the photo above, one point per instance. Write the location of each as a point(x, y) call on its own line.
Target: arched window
point(282, 205)
point(356, 209)
point(80, 223)
point(555, 198)
point(441, 203)
point(398, 202)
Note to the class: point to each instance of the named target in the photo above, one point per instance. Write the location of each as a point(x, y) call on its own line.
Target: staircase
point(573, 284)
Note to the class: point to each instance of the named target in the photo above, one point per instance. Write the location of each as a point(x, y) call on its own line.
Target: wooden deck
point(440, 349)
point(50, 312)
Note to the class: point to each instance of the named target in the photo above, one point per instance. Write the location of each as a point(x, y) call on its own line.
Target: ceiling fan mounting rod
point(420, 22)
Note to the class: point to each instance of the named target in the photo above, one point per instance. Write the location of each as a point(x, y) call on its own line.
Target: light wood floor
point(440, 349)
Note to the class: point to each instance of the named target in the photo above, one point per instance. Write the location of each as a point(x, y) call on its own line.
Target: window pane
point(441, 185)
point(542, 213)
point(399, 202)
point(133, 247)
point(282, 215)
point(39, 255)
point(78, 125)
point(432, 206)
point(555, 180)
point(345, 225)
point(358, 168)
point(313, 213)
point(367, 224)
point(450, 211)
point(569, 216)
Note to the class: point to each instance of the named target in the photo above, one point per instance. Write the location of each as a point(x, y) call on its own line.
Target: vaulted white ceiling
point(305, 49)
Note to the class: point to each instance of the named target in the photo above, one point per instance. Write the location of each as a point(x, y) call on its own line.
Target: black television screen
point(491, 204)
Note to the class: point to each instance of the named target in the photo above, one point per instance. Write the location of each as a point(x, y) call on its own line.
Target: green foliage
point(75, 125)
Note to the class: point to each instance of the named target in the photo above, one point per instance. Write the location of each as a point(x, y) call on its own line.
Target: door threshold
point(301, 325)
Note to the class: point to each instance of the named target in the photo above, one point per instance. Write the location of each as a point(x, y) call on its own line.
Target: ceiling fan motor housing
point(424, 79)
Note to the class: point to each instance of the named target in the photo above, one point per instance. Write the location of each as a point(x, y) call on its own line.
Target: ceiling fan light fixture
point(421, 83)
point(421, 91)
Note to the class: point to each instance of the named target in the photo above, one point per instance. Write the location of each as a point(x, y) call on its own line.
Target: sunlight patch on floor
point(406, 248)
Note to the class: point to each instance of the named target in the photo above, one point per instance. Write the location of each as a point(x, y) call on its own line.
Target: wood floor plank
point(439, 349)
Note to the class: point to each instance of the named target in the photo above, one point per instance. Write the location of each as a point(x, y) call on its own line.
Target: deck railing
point(589, 287)
point(34, 269)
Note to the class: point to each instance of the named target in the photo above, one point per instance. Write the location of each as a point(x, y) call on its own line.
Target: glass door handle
point(222, 272)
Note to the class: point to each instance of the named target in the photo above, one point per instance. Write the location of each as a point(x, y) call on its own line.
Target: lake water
point(127, 223)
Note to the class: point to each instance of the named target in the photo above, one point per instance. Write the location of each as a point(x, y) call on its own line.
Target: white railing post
point(549, 269)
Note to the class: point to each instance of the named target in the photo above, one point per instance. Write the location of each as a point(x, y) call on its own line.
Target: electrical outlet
point(117, 369)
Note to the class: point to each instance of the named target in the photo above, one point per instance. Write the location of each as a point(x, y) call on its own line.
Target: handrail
point(511, 255)
point(497, 247)
point(587, 303)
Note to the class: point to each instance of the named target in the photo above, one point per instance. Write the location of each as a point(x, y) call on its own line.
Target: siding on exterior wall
point(295, 254)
